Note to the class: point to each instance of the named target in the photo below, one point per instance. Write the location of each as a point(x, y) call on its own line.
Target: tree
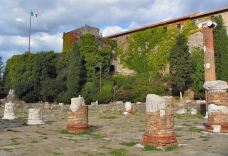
point(1, 69)
point(221, 49)
point(2, 88)
point(197, 58)
point(180, 66)
point(74, 73)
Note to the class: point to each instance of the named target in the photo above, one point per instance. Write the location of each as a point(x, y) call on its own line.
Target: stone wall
point(117, 107)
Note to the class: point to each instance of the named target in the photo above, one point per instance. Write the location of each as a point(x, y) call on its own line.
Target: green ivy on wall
point(149, 50)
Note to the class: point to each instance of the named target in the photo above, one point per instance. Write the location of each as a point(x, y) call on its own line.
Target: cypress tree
point(1, 77)
point(180, 65)
point(221, 49)
point(74, 72)
point(1, 69)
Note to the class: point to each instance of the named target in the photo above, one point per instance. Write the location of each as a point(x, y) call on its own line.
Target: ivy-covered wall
point(147, 51)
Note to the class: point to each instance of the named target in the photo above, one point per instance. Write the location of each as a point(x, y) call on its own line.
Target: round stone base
point(78, 121)
point(159, 141)
point(217, 128)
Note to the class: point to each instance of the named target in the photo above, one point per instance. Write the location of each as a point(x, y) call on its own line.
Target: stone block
point(35, 116)
point(9, 111)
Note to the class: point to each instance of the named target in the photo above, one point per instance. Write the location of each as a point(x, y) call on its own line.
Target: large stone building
point(194, 40)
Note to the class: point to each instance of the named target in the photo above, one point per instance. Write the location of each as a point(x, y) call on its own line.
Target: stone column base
point(9, 117)
point(217, 128)
point(159, 141)
point(35, 122)
point(78, 121)
point(77, 128)
point(130, 111)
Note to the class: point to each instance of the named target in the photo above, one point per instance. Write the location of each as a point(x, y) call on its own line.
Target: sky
point(58, 16)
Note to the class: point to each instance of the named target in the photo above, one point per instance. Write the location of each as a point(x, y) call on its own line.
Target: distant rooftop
point(189, 16)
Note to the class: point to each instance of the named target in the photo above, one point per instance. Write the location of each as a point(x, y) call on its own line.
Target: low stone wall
point(117, 107)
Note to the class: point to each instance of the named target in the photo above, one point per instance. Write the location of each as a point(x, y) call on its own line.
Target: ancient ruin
point(10, 107)
point(77, 116)
point(128, 107)
point(217, 106)
point(35, 116)
point(159, 130)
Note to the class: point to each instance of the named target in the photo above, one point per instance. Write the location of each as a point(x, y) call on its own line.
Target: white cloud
point(56, 17)
point(112, 30)
point(39, 42)
point(20, 20)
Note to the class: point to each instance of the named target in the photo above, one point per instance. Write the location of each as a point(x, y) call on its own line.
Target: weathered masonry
point(69, 38)
point(195, 40)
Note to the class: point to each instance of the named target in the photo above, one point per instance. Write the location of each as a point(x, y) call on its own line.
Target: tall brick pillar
point(159, 130)
point(209, 54)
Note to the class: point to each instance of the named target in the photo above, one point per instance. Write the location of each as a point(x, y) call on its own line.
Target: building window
point(194, 22)
point(179, 26)
point(165, 28)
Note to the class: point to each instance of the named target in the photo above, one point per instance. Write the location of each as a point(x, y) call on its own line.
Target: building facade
point(69, 38)
point(195, 40)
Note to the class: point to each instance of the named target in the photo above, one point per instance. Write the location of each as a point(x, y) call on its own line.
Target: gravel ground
point(111, 134)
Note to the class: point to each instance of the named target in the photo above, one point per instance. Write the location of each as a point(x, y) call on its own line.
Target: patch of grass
point(185, 124)
point(189, 139)
point(128, 143)
point(43, 137)
point(195, 129)
point(108, 117)
point(171, 148)
point(205, 137)
point(188, 116)
point(151, 148)
point(119, 152)
point(34, 141)
point(178, 129)
point(88, 132)
point(41, 133)
point(64, 131)
point(14, 141)
point(57, 153)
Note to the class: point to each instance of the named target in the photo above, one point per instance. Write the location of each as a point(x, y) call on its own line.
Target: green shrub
point(88, 91)
point(106, 93)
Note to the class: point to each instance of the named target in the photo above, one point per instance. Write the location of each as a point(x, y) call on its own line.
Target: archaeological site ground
point(112, 133)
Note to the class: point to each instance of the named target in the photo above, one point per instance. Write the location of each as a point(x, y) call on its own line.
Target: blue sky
point(58, 16)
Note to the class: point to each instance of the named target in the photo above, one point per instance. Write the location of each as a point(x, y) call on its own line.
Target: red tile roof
point(190, 16)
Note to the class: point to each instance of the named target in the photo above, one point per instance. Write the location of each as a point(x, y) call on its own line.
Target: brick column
point(209, 58)
point(78, 116)
point(78, 121)
point(159, 130)
point(217, 106)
